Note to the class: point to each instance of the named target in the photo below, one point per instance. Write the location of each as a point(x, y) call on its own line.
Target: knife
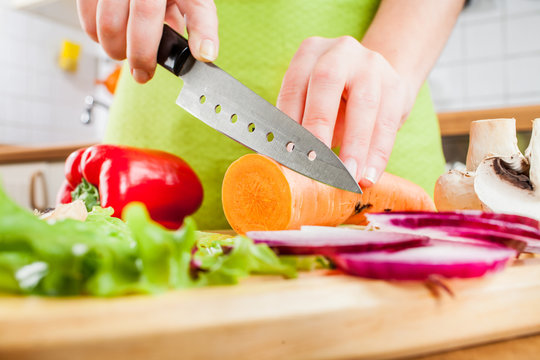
point(222, 102)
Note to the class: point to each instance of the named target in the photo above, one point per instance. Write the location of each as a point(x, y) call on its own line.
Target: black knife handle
point(173, 52)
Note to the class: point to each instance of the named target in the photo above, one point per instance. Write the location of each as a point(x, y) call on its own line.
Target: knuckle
point(141, 59)
point(293, 82)
point(348, 40)
point(109, 25)
point(326, 72)
point(147, 8)
point(307, 46)
point(356, 143)
point(365, 99)
point(311, 42)
point(376, 58)
point(380, 153)
point(116, 53)
point(388, 125)
point(204, 4)
point(318, 121)
point(288, 91)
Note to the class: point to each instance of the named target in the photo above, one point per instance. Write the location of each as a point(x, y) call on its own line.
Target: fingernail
point(140, 75)
point(371, 175)
point(207, 50)
point(350, 164)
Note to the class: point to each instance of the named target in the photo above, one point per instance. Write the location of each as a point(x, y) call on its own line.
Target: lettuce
point(106, 256)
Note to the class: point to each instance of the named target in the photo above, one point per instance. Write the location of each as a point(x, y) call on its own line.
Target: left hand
point(350, 96)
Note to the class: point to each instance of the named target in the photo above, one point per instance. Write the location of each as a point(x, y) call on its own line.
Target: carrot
point(391, 193)
point(260, 194)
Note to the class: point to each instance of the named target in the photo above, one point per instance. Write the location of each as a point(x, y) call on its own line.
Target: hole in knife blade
point(290, 146)
point(202, 99)
point(312, 155)
point(234, 118)
point(270, 137)
point(251, 127)
point(217, 109)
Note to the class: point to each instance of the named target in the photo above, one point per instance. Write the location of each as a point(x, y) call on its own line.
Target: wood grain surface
point(317, 316)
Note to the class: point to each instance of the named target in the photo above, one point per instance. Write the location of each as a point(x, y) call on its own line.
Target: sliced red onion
point(420, 263)
point(471, 225)
point(327, 240)
point(477, 214)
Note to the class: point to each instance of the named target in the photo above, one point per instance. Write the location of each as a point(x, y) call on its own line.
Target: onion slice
point(476, 214)
point(510, 230)
point(420, 263)
point(330, 240)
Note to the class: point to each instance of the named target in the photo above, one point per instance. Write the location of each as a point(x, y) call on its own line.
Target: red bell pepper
point(112, 175)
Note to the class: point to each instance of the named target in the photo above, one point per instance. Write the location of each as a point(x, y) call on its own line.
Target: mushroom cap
point(455, 191)
point(501, 189)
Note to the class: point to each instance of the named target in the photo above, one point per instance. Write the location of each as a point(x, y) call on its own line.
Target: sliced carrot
point(260, 194)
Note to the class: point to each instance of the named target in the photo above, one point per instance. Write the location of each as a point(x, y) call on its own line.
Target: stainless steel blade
point(225, 104)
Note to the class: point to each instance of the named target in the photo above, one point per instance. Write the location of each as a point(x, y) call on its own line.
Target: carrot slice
point(259, 194)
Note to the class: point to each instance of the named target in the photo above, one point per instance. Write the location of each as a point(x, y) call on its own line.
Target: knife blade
point(222, 102)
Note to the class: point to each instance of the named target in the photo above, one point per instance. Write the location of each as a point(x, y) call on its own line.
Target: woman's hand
point(132, 29)
point(348, 96)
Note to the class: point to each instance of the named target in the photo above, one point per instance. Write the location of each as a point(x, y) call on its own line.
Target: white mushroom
point(495, 137)
point(455, 190)
point(512, 184)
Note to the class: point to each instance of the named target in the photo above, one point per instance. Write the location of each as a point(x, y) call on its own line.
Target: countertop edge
point(25, 154)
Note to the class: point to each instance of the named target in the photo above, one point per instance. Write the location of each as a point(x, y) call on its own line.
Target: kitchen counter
point(11, 154)
point(311, 322)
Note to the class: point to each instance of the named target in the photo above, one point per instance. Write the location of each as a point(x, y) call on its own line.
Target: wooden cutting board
point(317, 316)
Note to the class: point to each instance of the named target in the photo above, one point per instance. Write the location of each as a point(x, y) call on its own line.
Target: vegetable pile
point(106, 256)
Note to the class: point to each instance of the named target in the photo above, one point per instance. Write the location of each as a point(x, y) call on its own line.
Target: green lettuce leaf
point(226, 260)
point(106, 256)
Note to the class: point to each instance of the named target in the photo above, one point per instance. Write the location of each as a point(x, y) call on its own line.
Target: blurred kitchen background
point(491, 61)
point(42, 103)
point(489, 68)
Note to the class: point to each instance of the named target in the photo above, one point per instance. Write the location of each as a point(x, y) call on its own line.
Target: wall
point(492, 58)
point(40, 103)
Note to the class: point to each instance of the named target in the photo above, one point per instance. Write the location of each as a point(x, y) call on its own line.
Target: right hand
point(132, 29)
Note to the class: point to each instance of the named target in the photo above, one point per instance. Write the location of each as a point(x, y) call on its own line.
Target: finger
point(383, 138)
point(340, 124)
point(87, 17)
point(202, 26)
point(363, 100)
point(145, 26)
point(324, 93)
point(292, 95)
point(174, 18)
point(111, 21)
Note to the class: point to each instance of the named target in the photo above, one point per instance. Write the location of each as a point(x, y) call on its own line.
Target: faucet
point(90, 102)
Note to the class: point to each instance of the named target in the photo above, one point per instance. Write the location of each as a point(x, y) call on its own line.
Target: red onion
point(497, 228)
point(420, 263)
point(328, 240)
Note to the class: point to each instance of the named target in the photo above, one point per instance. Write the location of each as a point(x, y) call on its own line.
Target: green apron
point(258, 38)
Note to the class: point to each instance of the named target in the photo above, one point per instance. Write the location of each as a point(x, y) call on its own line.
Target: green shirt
point(258, 38)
